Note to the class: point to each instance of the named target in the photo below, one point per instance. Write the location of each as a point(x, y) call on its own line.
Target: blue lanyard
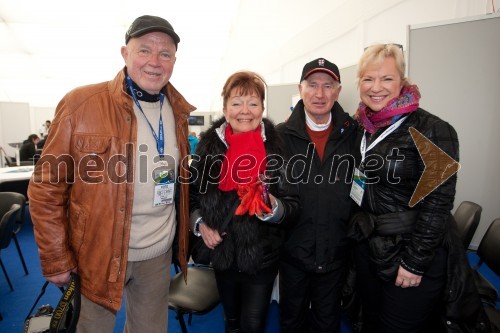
point(160, 138)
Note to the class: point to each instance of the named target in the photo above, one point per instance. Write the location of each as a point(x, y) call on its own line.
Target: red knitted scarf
point(245, 159)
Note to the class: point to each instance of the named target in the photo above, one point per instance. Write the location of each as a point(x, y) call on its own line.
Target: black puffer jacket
point(316, 240)
point(393, 186)
point(249, 244)
point(394, 182)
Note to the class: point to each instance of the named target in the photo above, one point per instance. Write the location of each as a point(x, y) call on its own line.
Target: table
point(16, 179)
point(17, 173)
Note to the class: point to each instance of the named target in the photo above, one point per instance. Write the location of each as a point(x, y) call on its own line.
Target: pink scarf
point(406, 102)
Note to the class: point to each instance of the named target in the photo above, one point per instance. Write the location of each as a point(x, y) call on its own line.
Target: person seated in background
point(40, 144)
point(29, 148)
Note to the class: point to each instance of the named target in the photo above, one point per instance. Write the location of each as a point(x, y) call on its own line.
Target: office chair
point(489, 247)
point(7, 223)
point(10, 161)
point(488, 253)
point(198, 296)
point(467, 217)
point(7, 199)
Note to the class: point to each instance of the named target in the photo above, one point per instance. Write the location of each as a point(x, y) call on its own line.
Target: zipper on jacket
point(130, 175)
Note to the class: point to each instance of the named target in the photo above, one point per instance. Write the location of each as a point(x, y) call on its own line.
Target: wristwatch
point(197, 224)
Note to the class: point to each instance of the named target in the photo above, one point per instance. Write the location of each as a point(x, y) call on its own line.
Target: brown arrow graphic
point(439, 166)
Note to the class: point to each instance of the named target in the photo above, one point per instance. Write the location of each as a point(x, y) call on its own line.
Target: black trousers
point(387, 308)
point(246, 298)
point(310, 302)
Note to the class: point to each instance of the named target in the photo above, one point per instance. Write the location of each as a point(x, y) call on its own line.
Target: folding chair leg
point(180, 317)
point(6, 275)
point(20, 254)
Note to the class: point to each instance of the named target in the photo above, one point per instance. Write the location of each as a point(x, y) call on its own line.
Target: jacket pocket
point(92, 154)
point(78, 220)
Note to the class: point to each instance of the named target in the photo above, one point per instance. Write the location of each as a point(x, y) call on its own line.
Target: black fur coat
point(249, 244)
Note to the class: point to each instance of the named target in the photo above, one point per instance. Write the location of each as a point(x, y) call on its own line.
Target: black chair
point(467, 217)
point(7, 223)
point(489, 254)
point(198, 296)
point(7, 199)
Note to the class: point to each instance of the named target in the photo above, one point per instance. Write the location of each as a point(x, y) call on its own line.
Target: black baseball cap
point(320, 65)
point(147, 23)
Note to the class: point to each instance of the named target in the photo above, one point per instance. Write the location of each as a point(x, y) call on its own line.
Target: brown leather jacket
point(81, 209)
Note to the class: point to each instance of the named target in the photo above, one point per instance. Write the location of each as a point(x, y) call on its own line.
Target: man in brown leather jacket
point(102, 195)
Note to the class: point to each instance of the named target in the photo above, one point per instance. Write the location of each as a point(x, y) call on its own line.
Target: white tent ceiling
point(49, 47)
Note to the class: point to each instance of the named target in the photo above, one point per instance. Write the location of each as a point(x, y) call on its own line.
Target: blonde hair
point(377, 53)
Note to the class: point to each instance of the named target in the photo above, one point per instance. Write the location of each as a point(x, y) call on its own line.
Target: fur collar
point(221, 132)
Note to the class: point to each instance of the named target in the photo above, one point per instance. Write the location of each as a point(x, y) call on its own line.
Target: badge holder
point(358, 186)
point(164, 179)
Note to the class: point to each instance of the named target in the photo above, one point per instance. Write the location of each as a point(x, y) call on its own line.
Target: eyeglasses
point(398, 45)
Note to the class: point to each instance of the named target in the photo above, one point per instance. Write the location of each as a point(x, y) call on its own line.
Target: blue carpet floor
point(14, 305)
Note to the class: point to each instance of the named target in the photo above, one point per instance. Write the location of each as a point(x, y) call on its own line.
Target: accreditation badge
point(164, 179)
point(358, 186)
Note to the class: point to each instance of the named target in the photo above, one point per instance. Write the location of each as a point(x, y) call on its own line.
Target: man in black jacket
point(320, 141)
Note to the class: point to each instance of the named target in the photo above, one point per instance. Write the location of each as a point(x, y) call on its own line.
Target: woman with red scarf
point(412, 272)
point(239, 172)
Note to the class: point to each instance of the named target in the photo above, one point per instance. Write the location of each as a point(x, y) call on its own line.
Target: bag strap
point(230, 215)
point(37, 299)
point(72, 292)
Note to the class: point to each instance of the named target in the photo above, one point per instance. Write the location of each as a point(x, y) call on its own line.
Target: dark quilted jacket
point(394, 183)
point(392, 186)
